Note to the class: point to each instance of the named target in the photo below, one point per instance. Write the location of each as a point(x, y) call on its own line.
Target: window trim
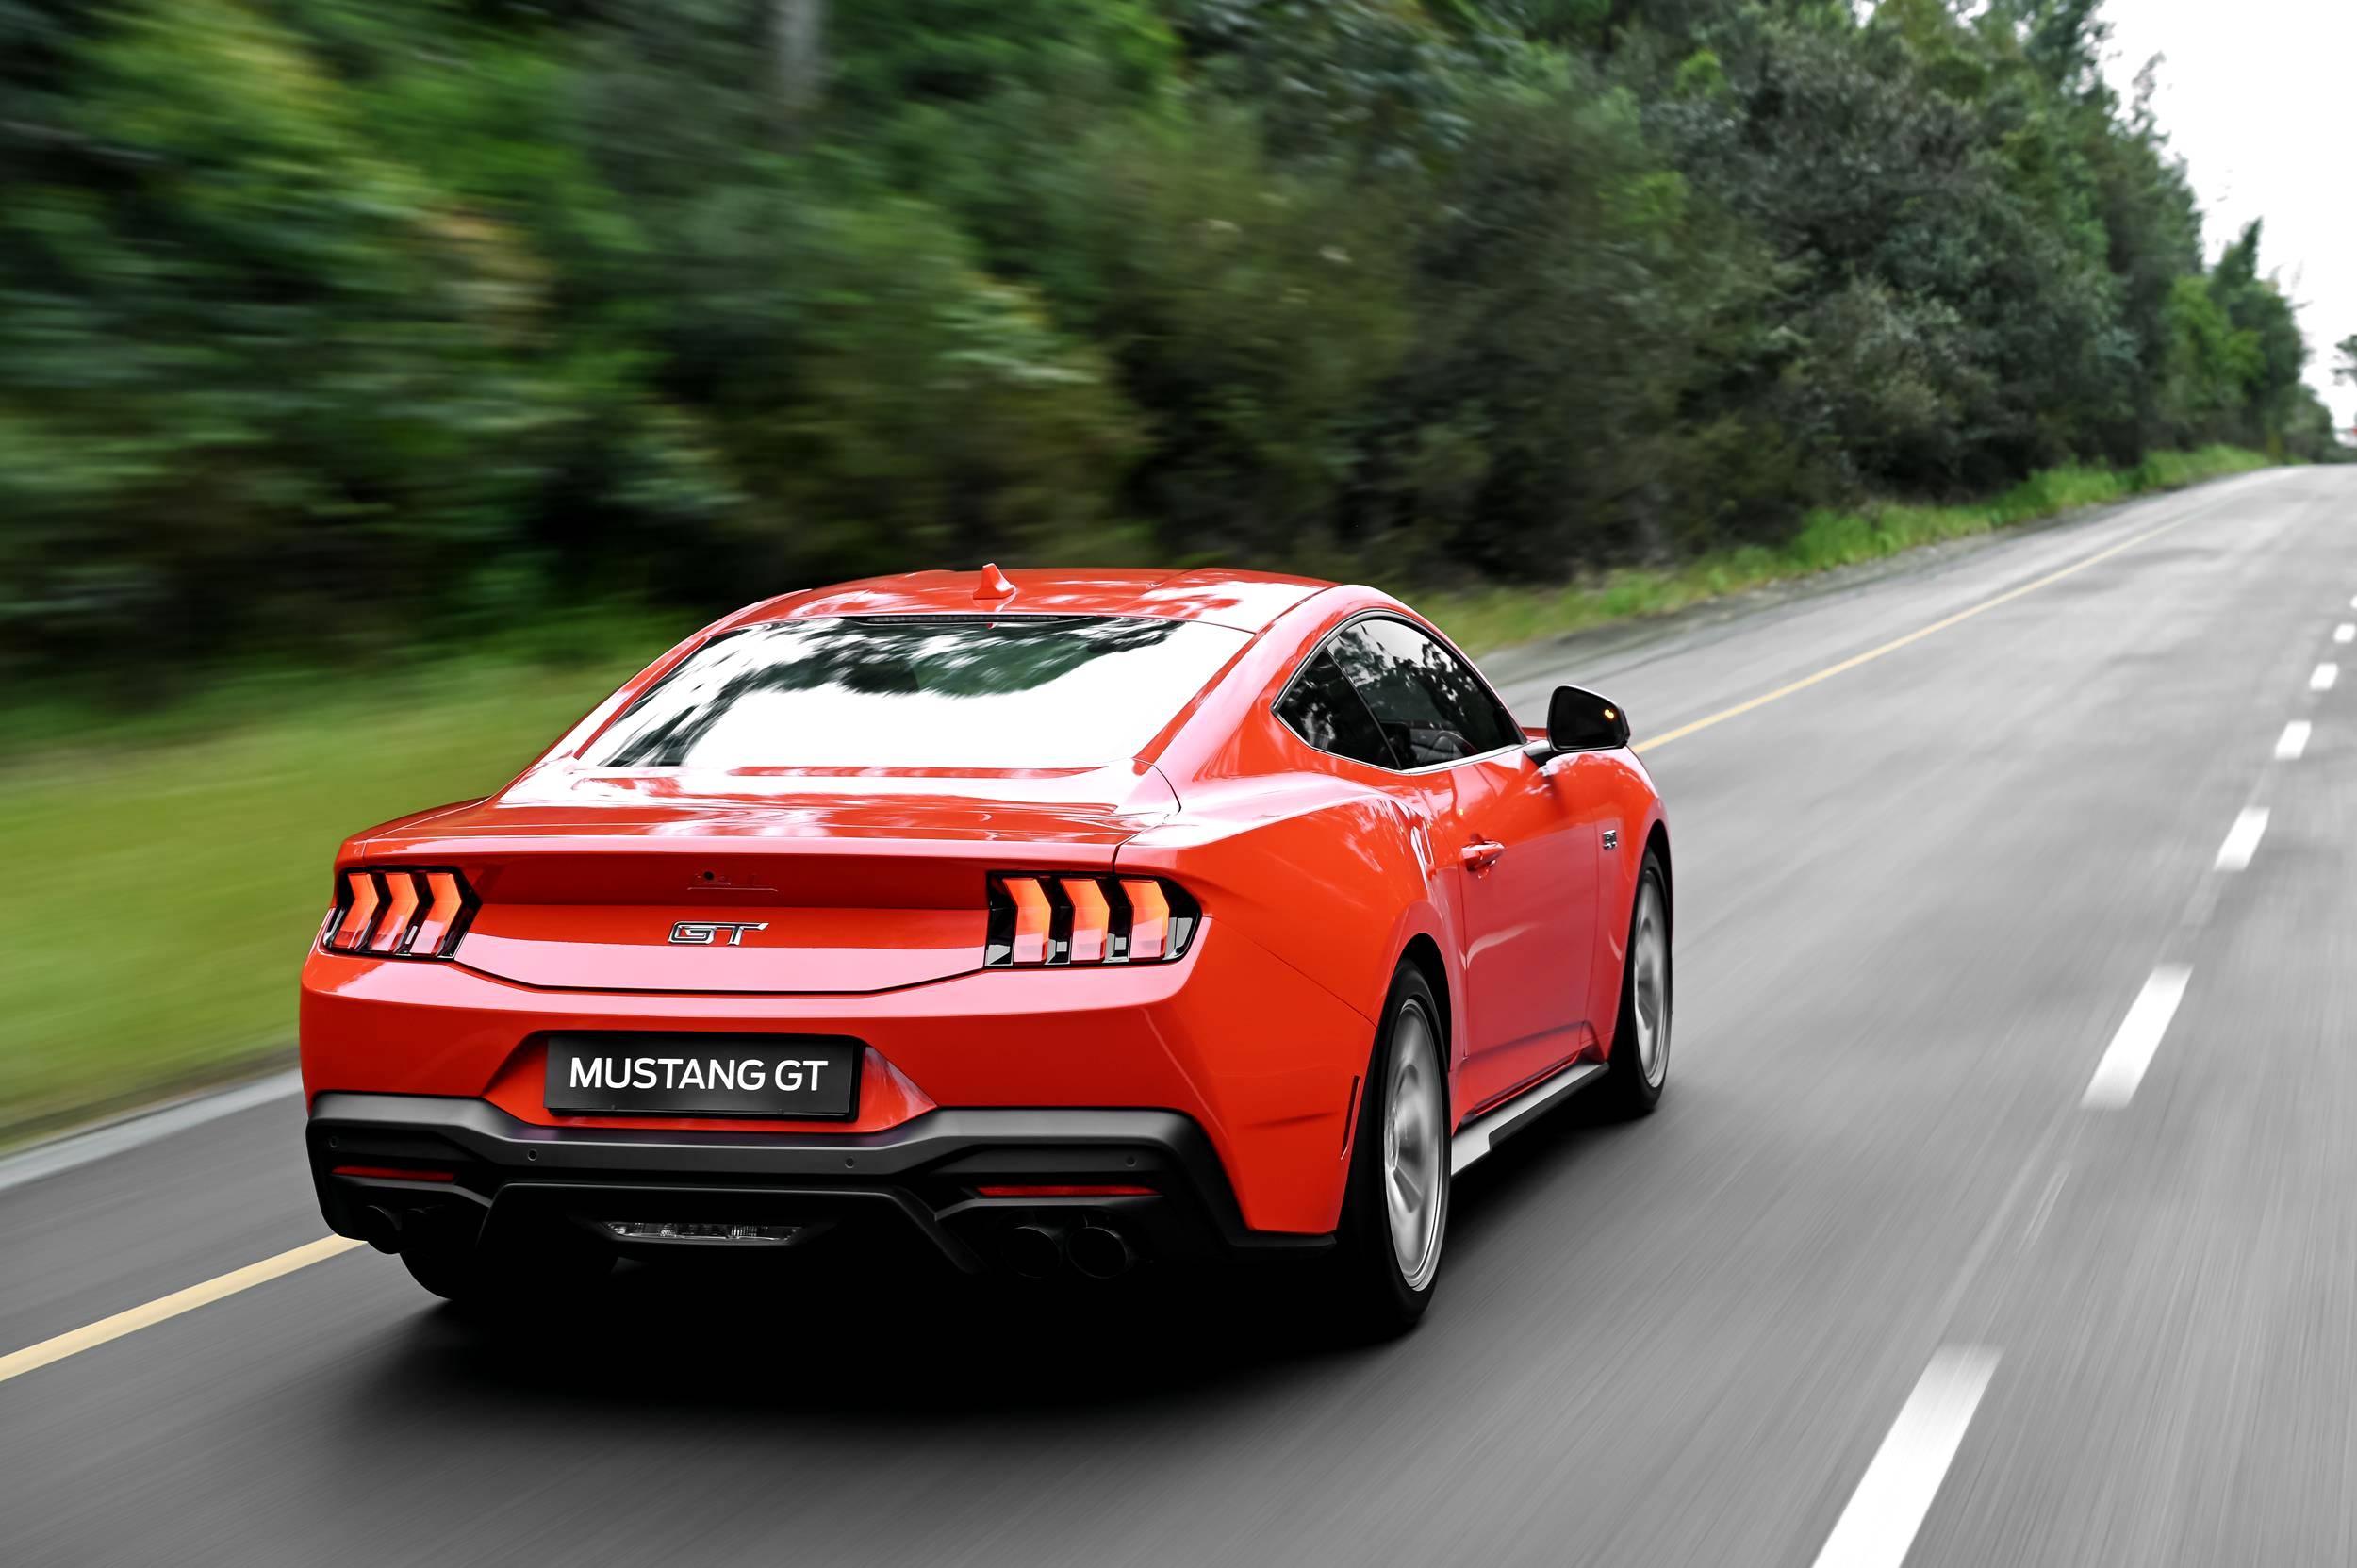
point(1447, 647)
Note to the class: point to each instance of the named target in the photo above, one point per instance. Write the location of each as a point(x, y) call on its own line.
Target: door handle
point(1481, 855)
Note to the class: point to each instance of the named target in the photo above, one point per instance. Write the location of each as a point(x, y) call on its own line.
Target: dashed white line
point(1879, 1526)
point(2242, 839)
point(2324, 677)
point(2293, 741)
point(2139, 1035)
point(2345, 632)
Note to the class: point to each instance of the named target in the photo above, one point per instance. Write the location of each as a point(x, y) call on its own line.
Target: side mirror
point(1580, 721)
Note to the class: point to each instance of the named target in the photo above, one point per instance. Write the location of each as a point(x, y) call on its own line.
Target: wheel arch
point(1424, 953)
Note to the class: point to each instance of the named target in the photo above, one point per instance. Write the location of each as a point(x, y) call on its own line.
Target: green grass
point(1501, 617)
point(167, 871)
point(163, 885)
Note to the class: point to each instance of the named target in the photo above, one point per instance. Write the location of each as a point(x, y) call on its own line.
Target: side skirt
point(1491, 1128)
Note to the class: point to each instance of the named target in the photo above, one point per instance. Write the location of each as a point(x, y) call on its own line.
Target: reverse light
point(398, 912)
point(1041, 919)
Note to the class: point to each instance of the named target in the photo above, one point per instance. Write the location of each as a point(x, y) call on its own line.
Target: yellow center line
point(76, 1341)
point(1917, 636)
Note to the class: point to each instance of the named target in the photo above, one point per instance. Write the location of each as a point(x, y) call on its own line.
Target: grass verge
point(165, 884)
point(170, 870)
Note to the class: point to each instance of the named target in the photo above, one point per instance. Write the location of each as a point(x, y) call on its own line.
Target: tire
point(1638, 1067)
point(1395, 1207)
point(450, 1264)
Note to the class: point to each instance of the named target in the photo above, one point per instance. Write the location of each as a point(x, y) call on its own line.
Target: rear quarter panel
point(1325, 875)
point(1322, 858)
point(1321, 885)
point(1309, 858)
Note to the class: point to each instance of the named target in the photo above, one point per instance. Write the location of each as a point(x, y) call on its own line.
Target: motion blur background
point(380, 380)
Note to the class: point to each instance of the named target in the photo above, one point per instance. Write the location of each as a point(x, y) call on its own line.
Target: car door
point(1533, 909)
point(1514, 830)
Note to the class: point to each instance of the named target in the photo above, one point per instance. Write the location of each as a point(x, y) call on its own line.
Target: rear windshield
point(920, 691)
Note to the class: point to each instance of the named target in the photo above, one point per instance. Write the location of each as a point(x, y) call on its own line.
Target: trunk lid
point(772, 882)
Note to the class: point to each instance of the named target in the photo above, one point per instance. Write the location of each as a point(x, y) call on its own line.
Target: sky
point(2260, 98)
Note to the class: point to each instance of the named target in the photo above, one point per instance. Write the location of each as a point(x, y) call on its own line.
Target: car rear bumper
point(478, 1166)
point(1260, 1060)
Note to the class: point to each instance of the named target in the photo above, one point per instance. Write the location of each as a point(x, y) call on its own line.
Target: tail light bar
point(1052, 918)
point(398, 912)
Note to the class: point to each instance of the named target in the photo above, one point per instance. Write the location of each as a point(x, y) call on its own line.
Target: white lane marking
point(1879, 1526)
point(2139, 1035)
point(2293, 741)
point(2242, 839)
point(100, 1143)
point(2324, 677)
point(2345, 632)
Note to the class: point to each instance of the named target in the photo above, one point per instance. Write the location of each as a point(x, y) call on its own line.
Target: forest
point(329, 328)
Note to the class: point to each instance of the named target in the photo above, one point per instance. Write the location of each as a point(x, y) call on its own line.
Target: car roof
point(1245, 600)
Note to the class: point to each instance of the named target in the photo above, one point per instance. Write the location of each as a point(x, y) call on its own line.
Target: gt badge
point(706, 934)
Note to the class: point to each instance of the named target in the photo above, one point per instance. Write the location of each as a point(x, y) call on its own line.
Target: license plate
point(791, 1078)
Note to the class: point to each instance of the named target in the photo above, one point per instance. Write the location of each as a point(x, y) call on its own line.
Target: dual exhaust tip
point(1038, 1250)
point(380, 1228)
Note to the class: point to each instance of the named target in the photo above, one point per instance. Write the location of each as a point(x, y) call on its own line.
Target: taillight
point(1043, 918)
point(398, 912)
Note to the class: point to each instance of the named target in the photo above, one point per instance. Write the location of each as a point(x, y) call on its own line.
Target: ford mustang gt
point(1054, 922)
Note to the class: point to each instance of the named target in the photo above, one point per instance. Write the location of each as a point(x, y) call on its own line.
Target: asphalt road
point(1939, 1223)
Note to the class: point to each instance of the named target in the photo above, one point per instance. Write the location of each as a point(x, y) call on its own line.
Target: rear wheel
point(1396, 1210)
point(1640, 1064)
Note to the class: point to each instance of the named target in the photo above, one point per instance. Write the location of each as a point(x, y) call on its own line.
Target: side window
point(1321, 708)
point(1432, 709)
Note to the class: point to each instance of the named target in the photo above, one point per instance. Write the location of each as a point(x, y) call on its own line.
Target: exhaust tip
point(380, 1228)
point(1100, 1252)
point(1035, 1250)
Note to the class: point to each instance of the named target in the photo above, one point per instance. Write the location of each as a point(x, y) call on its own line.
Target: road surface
point(2003, 1210)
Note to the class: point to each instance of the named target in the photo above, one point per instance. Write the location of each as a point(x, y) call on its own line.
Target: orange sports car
point(1058, 921)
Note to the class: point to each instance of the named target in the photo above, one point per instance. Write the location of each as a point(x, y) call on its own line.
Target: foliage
point(333, 327)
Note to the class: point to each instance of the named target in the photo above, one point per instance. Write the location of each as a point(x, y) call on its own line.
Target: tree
point(337, 321)
point(801, 40)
